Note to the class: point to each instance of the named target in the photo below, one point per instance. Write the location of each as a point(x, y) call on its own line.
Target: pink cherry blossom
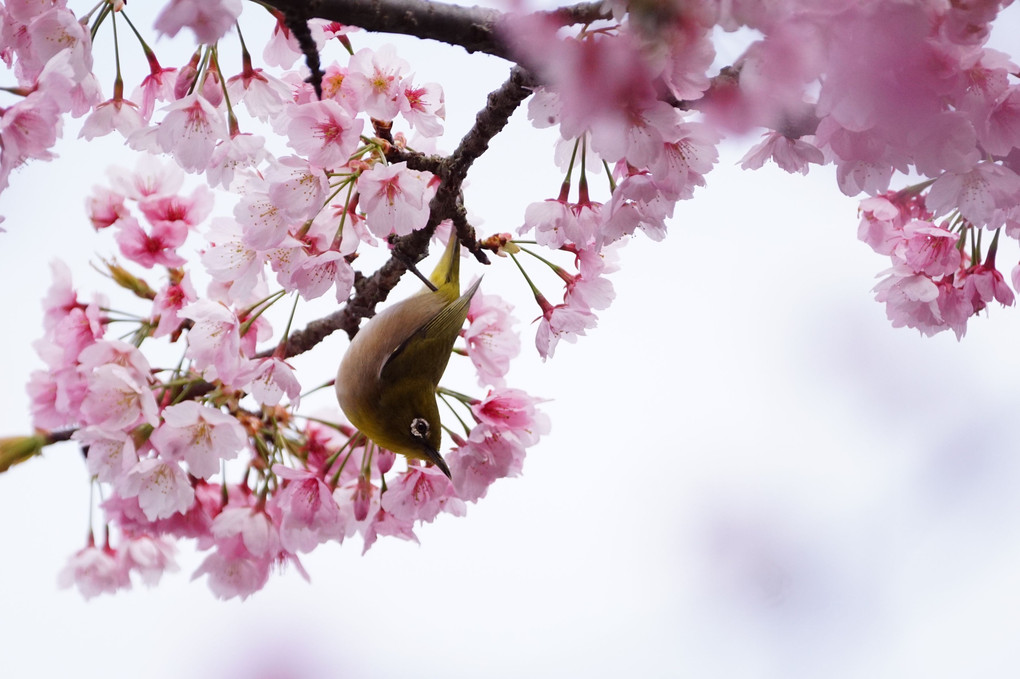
point(273, 379)
point(200, 435)
point(980, 194)
point(323, 132)
point(395, 198)
point(55, 397)
point(487, 455)
point(305, 510)
point(253, 526)
point(378, 76)
point(229, 260)
point(214, 341)
point(177, 208)
point(282, 48)
point(151, 177)
point(110, 454)
point(982, 283)
point(29, 128)
point(491, 341)
point(424, 109)
point(929, 249)
point(262, 94)
point(156, 246)
point(383, 524)
point(190, 131)
point(113, 114)
point(508, 409)
point(233, 571)
point(170, 300)
point(549, 220)
point(105, 207)
point(296, 187)
point(337, 86)
point(94, 570)
point(208, 19)
point(420, 494)
point(158, 86)
point(562, 321)
point(792, 155)
point(236, 156)
point(149, 556)
point(161, 486)
point(115, 352)
point(117, 399)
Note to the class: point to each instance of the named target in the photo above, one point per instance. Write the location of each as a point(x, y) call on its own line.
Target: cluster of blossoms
point(209, 445)
point(213, 448)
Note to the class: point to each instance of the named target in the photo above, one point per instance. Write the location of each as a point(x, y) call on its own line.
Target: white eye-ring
point(419, 428)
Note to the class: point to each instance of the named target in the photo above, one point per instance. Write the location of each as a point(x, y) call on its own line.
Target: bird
point(387, 380)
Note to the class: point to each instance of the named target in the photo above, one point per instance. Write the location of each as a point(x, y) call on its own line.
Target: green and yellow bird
point(387, 380)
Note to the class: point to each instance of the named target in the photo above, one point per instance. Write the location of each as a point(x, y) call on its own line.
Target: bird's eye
point(419, 428)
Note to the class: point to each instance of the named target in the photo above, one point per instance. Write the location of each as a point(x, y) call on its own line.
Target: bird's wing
point(434, 338)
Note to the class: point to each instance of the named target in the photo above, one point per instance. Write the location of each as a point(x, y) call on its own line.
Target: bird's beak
point(433, 456)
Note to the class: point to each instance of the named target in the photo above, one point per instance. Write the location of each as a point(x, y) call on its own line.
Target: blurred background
point(750, 473)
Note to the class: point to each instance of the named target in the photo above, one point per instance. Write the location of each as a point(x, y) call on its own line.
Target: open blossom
point(94, 570)
point(492, 343)
point(324, 132)
point(199, 435)
point(420, 494)
point(929, 249)
point(229, 260)
point(117, 399)
point(233, 571)
point(264, 95)
point(512, 410)
point(562, 321)
point(792, 155)
point(272, 380)
point(214, 341)
point(157, 246)
point(395, 198)
point(148, 556)
point(296, 187)
point(253, 526)
point(377, 76)
point(190, 131)
point(111, 453)
point(190, 210)
point(980, 194)
point(489, 453)
point(424, 109)
point(305, 510)
point(161, 486)
point(209, 19)
point(113, 114)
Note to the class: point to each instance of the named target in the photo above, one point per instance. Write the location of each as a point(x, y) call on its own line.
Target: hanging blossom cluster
point(211, 444)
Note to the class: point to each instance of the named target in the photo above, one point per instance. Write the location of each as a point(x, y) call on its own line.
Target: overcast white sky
point(750, 474)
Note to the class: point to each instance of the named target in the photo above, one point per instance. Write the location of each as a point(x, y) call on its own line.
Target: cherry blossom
point(190, 131)
point(323, 132)
point(305, 511)
point(395, 198)
point(209, 19)
point(198, 435)
point(94, 571)
point(377, 77)
point(161, 486)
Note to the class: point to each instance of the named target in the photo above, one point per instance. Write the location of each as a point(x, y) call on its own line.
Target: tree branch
point(476, 29)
